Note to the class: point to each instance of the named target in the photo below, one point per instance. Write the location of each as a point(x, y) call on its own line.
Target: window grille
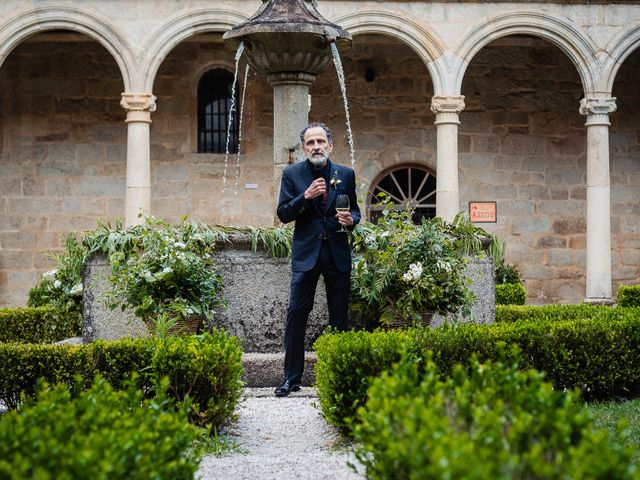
point(406, 185)
point(214, 108)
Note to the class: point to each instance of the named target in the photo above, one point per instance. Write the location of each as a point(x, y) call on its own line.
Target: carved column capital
point(139, 106)
point(447, 108)
point(447, 104)
point(597, 110)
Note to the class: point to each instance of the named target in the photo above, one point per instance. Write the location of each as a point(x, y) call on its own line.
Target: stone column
point(138, 196)
point(447, 110)
point(597, 111)
point(290, 116)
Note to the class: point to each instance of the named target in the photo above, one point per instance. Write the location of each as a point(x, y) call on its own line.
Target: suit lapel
point(332, 190)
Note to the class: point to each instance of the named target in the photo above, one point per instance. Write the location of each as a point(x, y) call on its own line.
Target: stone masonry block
point(530, 225)
point(100, 187)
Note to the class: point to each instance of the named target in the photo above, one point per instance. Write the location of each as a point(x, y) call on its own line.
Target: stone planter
point(257, 291)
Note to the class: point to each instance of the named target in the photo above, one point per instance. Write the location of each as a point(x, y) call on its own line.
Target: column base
point(599, 301)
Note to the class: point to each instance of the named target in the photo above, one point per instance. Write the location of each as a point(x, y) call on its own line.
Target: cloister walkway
point(282, 438)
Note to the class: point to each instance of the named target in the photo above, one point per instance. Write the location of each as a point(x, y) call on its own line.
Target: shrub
point(401, 269)
point(600, 356)
point(99, 434)
point(629, 296)
point(493, 422)
point(510, 294)
point(37, 325)
point(211, 378)
point(516, 313)
point(207, 367)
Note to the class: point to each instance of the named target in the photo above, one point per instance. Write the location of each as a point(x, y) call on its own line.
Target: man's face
point(317, 146)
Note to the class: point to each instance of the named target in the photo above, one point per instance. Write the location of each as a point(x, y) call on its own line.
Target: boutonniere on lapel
point(335, 181)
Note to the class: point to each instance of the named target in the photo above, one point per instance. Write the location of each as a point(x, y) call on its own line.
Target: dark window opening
point(214, 109)
point(406, 186)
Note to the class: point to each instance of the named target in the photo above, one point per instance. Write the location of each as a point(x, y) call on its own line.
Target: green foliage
point(600, 356)
point(510, 294)
point(402, 269)
point(486, 420)
point(37, 325)
point(61, 288)
point(516, 313)
point(505, 273)
point(276, 241)
point(167, 270)
point(206, 367)
point(211, 378)
point(98, 434)
point(629, 295)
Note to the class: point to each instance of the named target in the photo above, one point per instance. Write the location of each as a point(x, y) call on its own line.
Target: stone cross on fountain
point(287, 40)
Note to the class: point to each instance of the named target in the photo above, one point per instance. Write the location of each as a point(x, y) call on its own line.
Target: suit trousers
point(303, 290)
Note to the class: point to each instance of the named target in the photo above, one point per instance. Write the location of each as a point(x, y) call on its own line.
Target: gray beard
point(319, 162)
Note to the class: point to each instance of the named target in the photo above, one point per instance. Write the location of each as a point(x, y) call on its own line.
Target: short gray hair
point(315, 125)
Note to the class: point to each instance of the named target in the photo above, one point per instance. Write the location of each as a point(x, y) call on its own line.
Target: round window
point(406, 185)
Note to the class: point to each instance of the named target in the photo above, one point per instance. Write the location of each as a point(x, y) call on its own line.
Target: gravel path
point(282, 438)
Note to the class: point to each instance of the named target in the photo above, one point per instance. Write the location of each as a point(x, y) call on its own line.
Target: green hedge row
point(628, 296)
point(510, 294)
point(484, 421)
point(37, 325)
point(98, 434)
point(207, 368)
point(517, 313)
point(600, 356)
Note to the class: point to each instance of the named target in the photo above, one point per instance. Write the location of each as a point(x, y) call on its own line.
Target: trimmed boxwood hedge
point(629, 296)
point(37, 325)
point(600, 356)
point(206, 367)
point(98, 434)
point(484, 421)
point(516, 313)
point(510, 294)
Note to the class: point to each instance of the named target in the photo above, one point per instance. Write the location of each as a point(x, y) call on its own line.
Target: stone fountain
point(288, 42)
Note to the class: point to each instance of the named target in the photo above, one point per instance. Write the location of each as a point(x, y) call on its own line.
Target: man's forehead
point(314, 132)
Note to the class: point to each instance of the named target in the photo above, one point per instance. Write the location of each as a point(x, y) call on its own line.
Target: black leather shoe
point(286, 388)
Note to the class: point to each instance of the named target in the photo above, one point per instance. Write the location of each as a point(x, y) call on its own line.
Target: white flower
point(179, 245)
point(167, 269)
point(50, 275)
point(414, 272)
point(76, 290)
point(57, 284)
point(385, 234)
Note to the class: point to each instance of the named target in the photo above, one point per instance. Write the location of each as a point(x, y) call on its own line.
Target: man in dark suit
point(308, 195)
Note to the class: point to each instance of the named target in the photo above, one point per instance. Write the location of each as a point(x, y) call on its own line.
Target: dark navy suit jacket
point(310, 220)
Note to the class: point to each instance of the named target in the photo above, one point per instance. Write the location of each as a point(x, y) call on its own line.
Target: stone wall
point(62, 163)
point(522, 143)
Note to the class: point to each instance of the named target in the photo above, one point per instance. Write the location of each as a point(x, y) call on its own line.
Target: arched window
point(413, 185)
point(214, 108)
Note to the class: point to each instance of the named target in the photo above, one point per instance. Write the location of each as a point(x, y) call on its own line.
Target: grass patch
point(607, 415)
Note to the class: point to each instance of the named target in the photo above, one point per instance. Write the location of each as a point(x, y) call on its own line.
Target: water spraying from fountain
point(244, 91)
point(232, 110)
point(343, 88)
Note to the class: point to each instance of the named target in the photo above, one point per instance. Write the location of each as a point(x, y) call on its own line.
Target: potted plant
point(403, 273)
point(165, 274)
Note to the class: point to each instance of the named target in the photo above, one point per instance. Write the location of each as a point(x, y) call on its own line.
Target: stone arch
point(557, 30)
point(36, 20)
point(619, 50)
point(158, 45)
point(425, 43)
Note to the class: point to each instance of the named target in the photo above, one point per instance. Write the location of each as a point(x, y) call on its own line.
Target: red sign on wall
point(483, 212)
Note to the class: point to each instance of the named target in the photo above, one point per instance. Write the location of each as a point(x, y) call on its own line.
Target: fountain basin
point(257, 291)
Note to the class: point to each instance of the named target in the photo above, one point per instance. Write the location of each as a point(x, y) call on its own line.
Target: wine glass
point(342, 206)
